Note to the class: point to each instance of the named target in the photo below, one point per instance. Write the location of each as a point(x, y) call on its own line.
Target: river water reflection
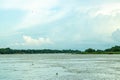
point(59, 67)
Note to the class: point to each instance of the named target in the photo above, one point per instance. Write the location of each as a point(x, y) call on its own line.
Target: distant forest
point(112, 50)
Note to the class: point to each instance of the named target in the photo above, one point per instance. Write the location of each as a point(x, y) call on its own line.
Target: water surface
point(59, 67)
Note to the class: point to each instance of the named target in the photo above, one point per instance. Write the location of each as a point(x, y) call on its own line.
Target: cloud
point(37, 11)
point(43, 17)
point(28, 5)
point(64, 21)
point(29, 41)
point(111, 9)
point(116, 35)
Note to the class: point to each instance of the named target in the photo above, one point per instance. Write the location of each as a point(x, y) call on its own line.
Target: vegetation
point(32, 51)
point(90, 50)
point(112, 50)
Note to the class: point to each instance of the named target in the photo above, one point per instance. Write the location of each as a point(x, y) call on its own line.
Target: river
point(60, 67)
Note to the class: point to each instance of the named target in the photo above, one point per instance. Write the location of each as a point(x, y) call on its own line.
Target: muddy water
point(59, 67)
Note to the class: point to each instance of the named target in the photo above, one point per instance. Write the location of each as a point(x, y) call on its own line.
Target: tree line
point(32, 51)
point(112, 50)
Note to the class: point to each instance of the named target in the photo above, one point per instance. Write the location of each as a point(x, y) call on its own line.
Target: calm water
point(59, 67)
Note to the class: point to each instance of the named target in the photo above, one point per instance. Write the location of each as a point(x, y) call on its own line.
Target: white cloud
point(40, 41)
point(33, 19)
point(29, 41)
point(108, 9)
point(116, 35)
point(28, 5)
point(38, 11)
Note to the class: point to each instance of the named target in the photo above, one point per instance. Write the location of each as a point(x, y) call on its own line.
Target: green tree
point(113, 49)
point(89, 50)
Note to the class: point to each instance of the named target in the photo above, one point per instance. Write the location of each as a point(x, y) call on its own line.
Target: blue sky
point(59, 24)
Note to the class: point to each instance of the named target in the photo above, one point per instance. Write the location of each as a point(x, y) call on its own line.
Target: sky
point(59, 24)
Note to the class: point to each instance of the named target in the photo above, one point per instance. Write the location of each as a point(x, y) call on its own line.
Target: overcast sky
point(59, 24)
